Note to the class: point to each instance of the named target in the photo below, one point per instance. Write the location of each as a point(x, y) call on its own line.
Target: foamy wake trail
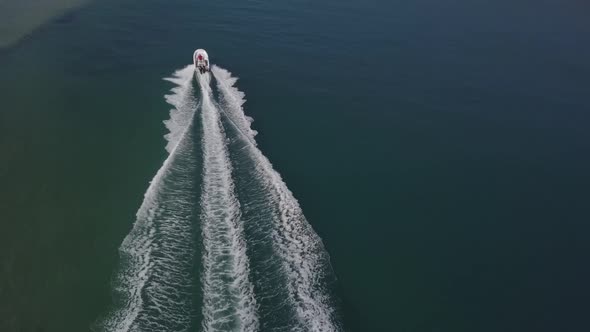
point(304, 259)
point(182, 98)
point(228, 295)
point(154, 280)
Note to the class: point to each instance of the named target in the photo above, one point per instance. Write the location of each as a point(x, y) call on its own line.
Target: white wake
point(155, 278)
point(228, 295)
point(303, 256)
point(157, 252)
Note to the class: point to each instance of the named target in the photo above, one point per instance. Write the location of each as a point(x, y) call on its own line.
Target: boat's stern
point(201, 61)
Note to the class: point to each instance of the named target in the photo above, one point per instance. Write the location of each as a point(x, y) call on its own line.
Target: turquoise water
point(439, 150)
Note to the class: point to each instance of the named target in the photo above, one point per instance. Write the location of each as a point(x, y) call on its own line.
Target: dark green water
point(440, 151)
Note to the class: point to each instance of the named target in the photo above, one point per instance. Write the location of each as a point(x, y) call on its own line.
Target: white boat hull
point(201, 61)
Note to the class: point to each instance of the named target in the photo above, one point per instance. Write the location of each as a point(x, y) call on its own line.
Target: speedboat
point(201, 60)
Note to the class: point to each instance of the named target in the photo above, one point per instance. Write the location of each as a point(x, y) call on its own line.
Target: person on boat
point(201, 63)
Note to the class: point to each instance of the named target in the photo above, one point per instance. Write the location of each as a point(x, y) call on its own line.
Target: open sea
point(379, 165)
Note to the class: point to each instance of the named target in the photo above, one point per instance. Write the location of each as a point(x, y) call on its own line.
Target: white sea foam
point(155, 255)
point(155, 278)
point(181, 98)
point(234, 99)
point(228, 294)
point(299, 247)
